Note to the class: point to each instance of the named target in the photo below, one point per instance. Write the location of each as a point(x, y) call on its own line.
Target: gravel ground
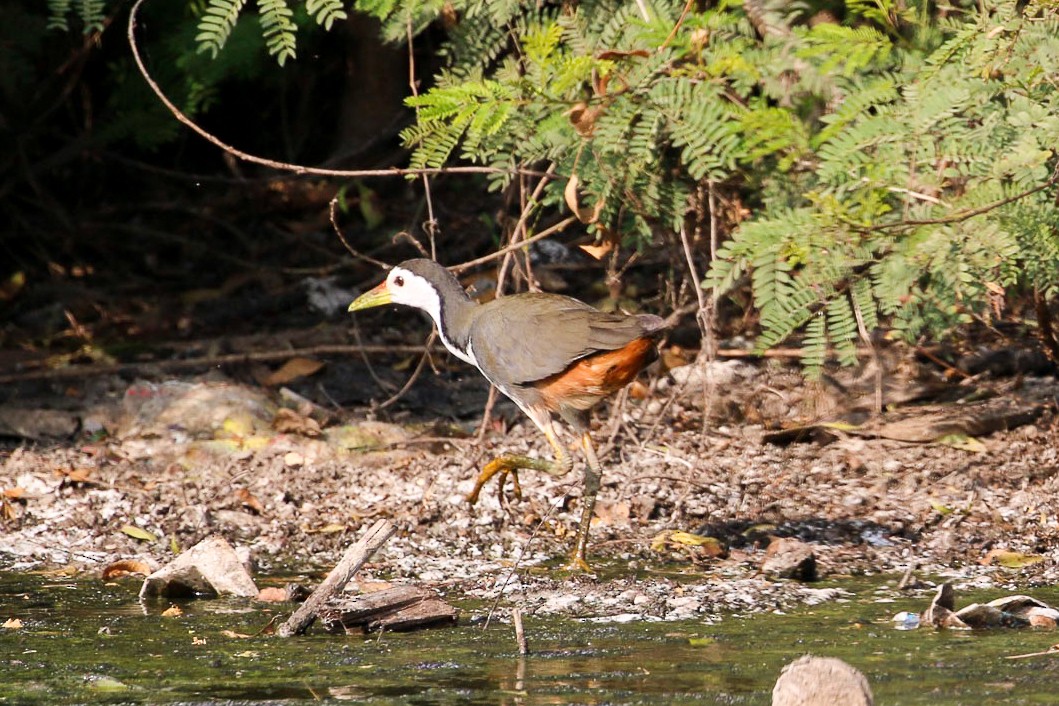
point(189, 458)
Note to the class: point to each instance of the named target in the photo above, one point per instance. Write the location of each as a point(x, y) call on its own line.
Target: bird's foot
point(578, 564)
point(503, 467)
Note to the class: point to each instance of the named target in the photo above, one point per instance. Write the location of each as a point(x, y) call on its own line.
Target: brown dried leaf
point(235, 635)
point(332, 528)
point(585, 215)
point(293, 369)
point(272, 594)
point(78, 475)
point(172, 611)
point(616, 513)
point(287, 421)
point(598, 251)
point(612, 54)
point(583, 117)
point(12, 624)
point(14, 493)
point(125, 567)
point(247, 499)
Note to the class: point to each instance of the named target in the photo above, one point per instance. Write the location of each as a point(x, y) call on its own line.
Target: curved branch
point(287, 166)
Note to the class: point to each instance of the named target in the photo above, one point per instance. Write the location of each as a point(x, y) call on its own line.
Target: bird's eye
point(398, 281)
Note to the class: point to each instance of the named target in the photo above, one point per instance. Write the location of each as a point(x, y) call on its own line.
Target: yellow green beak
point(378, 296)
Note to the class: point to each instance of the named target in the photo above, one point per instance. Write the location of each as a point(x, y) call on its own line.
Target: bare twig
point(680, 21)
point(285, 166)
point(415, 373)
point(208, 361)
point(558, 227)
point(354, 558)
point(333, 210)
point(431, 226)
point(960, 216)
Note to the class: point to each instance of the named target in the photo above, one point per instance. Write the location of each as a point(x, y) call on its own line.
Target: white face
point(412, 290)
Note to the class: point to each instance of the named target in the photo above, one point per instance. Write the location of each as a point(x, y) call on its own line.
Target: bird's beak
point(378, 296)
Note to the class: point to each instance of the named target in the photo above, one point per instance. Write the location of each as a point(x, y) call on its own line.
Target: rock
point(37, 424)
point(821, 681)
point(789, 558)
point(204, 410)
point(210, 567)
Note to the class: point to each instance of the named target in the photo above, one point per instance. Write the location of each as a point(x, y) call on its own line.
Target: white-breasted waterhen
point(549, 353)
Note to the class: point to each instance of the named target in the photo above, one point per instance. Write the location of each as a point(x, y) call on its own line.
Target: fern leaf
point(92, 15)
point(325, 12)
point(58, 10)
point(279, 28)
point(216, 24)
point(814, 345)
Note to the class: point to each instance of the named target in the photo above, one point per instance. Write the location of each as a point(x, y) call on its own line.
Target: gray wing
point(535, 336)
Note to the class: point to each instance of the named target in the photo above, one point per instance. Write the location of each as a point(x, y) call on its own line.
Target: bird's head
point(412, 283)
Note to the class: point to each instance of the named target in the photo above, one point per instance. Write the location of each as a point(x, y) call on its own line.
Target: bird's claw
point(500, 469)
point(578, 564)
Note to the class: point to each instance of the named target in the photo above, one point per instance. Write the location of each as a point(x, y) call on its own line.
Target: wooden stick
point(352, 560)
point(520, 632)
point(209, 361)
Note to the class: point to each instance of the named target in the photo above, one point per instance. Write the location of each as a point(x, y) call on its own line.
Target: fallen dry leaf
point(293, 369)
point(234, 634)
point(287, 421)
point(138, 533)
point(172, 611)
point(1009, 559)
point(272, 594)
point(710, 546)
point(14, 493)
point(125, 567)
point(12, 624)
point(246, 498)
point(616, 513)
point(332, 528)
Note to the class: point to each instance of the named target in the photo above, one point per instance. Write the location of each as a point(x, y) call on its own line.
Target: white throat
point(419, 293)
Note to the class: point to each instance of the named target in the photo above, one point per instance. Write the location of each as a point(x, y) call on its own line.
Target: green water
point(81, 641)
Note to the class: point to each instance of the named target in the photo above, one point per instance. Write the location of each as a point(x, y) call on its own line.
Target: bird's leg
point(510, 464)
point(578, 561)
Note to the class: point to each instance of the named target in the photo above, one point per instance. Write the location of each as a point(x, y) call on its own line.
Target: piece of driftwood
point(395, 609)
point(922, 424)
point(354, 558)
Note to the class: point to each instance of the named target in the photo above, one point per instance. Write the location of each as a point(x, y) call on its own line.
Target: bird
point(552, 355)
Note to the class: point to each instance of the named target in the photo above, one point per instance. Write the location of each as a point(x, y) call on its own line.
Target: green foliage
point(897, 158)
point(217, 23)
point(899, 167)
point(91, 13)
point(278, 28)
point(277, 19)
point(58, 10)
point(325, 12)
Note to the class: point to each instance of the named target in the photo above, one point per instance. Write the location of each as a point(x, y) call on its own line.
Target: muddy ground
point(185, 456)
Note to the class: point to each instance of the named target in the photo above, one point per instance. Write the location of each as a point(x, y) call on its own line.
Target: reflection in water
point(82, 641)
